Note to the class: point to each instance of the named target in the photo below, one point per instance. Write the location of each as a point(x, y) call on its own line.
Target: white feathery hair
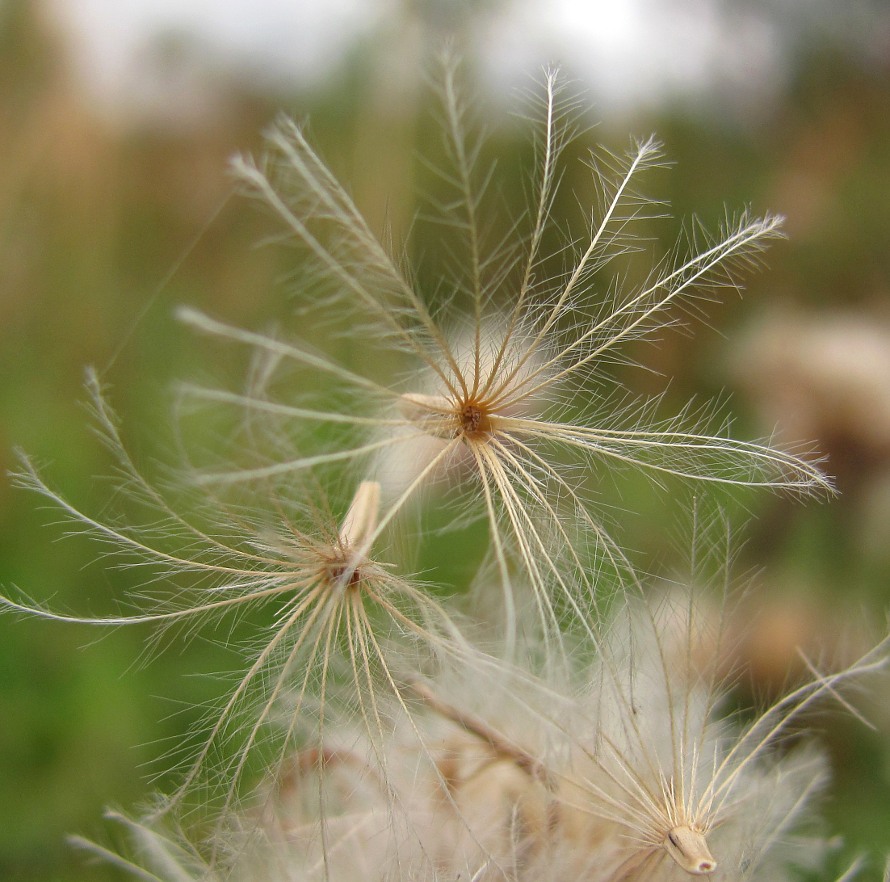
point(637, 772)
point(343, 623)
point(621, 763)
point(500, 367)
point(156, 850)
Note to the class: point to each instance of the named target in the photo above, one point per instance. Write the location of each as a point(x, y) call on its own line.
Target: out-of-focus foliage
point(104, 229)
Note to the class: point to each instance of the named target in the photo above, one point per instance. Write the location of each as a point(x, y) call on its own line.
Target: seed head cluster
point(382, 727)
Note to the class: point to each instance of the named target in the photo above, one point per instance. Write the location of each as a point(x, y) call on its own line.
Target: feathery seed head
point(335, 605)
point(633, 776)
point(499, 365)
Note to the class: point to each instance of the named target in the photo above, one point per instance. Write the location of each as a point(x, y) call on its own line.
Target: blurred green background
point(107, 221)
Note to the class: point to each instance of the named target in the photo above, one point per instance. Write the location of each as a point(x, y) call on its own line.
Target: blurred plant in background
point(95, 215)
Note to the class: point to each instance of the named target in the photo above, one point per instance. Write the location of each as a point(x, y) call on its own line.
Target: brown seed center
point(338, 571)
point(473, 420)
